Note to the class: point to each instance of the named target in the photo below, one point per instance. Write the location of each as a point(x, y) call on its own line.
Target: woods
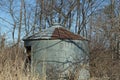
point(96, 20)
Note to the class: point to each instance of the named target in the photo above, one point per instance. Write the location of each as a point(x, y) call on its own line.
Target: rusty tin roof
point(53, 33)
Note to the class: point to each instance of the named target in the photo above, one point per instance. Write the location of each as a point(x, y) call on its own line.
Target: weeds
point(12, 66)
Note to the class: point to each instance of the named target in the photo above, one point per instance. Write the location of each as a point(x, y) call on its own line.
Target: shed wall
point(59, 54)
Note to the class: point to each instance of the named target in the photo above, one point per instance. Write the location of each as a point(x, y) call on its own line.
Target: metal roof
point(54, 32)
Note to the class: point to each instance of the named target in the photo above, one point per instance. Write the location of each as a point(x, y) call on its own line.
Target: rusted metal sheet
point(61, 33)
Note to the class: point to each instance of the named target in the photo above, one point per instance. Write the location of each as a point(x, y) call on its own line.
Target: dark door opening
point(28, 58)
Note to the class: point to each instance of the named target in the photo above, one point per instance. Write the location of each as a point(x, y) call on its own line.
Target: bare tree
point(21, 17)
point(2, 41)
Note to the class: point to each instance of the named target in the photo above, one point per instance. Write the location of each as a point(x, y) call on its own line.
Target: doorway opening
point(28, 58)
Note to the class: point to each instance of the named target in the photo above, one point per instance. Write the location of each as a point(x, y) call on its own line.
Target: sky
point(4, 27)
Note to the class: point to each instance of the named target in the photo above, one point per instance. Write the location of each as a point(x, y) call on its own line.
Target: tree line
point(96, 20)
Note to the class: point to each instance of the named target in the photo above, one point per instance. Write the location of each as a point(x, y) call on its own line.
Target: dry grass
point(103, 64)
point(12, 66)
